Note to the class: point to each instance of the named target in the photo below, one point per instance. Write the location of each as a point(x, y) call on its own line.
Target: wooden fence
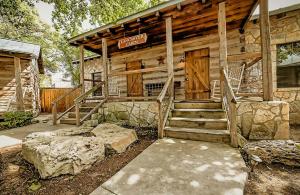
point(48, 95)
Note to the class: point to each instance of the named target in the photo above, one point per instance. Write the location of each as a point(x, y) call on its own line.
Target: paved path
point(180, 167)
point(22, 132)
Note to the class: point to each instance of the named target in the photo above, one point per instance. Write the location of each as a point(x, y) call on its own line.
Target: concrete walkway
point(180, 167)
point(22, 132)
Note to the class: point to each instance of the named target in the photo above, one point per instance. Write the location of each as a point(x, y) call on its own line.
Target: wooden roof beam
point(248, 17)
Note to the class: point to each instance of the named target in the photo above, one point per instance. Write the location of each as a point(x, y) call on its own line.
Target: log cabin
point(21, 64)
point(179, 66)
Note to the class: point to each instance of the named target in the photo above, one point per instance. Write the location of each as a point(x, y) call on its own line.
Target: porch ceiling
point(190, 18)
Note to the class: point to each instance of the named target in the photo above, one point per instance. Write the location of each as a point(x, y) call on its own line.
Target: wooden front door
point(134, 81)
point(197, 85)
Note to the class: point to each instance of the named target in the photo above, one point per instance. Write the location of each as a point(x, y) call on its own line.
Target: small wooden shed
point(21, 64)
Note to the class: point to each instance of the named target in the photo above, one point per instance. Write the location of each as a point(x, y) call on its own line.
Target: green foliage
point(20, 21)
point(16, 119)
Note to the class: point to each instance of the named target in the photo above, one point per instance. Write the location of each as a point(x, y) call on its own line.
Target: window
point(288, 65)
point(96, 79)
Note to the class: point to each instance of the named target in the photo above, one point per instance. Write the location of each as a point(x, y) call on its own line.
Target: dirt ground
point(84, 183)
point(273, 179)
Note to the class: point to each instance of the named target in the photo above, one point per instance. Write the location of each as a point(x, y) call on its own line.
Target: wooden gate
point(197, 85)
point(134, 81)
point(48, 95)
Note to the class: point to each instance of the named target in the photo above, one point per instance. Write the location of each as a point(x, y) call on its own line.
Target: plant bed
point(273, 179)
point(16, 119)
point(26, 179)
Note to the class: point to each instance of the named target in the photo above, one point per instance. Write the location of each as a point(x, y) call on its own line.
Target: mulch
point(83, 183)
point(273, 179)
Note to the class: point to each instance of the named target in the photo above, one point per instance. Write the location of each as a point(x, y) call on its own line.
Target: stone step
point(219, 136)
point(68, 121)
point(199, 113)
point(73, 114)
point(197, 105)
point(202, 123)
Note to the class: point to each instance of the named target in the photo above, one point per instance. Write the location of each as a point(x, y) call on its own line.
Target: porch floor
point(172, 166)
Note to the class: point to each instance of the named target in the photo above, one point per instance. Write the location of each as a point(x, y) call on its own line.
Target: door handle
point(186, 79)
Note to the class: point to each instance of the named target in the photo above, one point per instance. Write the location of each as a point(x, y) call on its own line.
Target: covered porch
point(182, 50)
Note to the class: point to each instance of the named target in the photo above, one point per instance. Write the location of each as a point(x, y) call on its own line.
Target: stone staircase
point(85, 108)
point(201, 121)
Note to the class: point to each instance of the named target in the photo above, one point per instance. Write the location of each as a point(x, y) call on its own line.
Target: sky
point(45, 10)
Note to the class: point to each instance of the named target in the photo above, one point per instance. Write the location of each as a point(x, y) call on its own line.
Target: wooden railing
point(164, 105)
point(229, 103)
point(78, 101)
point(55, 102)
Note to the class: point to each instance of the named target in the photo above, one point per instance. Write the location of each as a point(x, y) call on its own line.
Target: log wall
point(156, 56)
point(30, 88)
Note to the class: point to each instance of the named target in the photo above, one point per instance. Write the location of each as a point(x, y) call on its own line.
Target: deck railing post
point(54, 113)
point(77, 111)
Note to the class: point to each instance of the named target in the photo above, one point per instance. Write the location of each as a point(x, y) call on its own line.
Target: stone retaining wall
point(264, 120)
point(139, 114)
point(285, 28)
point(293, 98)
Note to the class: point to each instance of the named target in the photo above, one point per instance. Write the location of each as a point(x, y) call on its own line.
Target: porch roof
point(190, 18)
point(25, 51)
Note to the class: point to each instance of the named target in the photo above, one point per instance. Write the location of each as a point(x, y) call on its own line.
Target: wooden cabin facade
point(21, 64)
point(172, 55)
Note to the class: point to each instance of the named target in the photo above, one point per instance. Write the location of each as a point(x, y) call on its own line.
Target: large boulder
point(275, 151)
point(57, 153)
point(116, 138)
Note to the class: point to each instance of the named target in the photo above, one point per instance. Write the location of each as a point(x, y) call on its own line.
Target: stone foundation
point(293, 98)
point(264, 120)
point(139, 114)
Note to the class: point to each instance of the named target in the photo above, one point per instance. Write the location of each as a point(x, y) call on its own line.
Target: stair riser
point(197, 105)
point(68, 122)
point(198, 136)
point(200, 114)
point(85, 109)
point(201, 125)
point(90, 104)
point(73, 115)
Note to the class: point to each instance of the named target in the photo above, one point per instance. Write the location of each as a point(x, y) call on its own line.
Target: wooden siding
point(29, 86)
point(156, 57)
point(48, 95)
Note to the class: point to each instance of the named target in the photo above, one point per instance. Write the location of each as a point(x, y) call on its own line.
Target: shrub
point(16, 119)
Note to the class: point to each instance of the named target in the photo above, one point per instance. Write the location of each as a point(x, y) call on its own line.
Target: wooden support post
point(81, 61)
point(233, 125)
point(223, 44)
point(19, 92)
point(77, 111)
point(160, 121)
point(105, 68)
point(54, 113)
point(169, 43)
point(266, 51)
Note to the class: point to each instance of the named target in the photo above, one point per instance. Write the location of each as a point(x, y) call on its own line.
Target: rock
point(11, 169)
point(275, 151)
point(54, 155)
point(90, 123)
point(262, 116)
point(116, 138)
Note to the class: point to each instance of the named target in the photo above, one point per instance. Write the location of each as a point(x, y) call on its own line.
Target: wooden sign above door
point(131, 41)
